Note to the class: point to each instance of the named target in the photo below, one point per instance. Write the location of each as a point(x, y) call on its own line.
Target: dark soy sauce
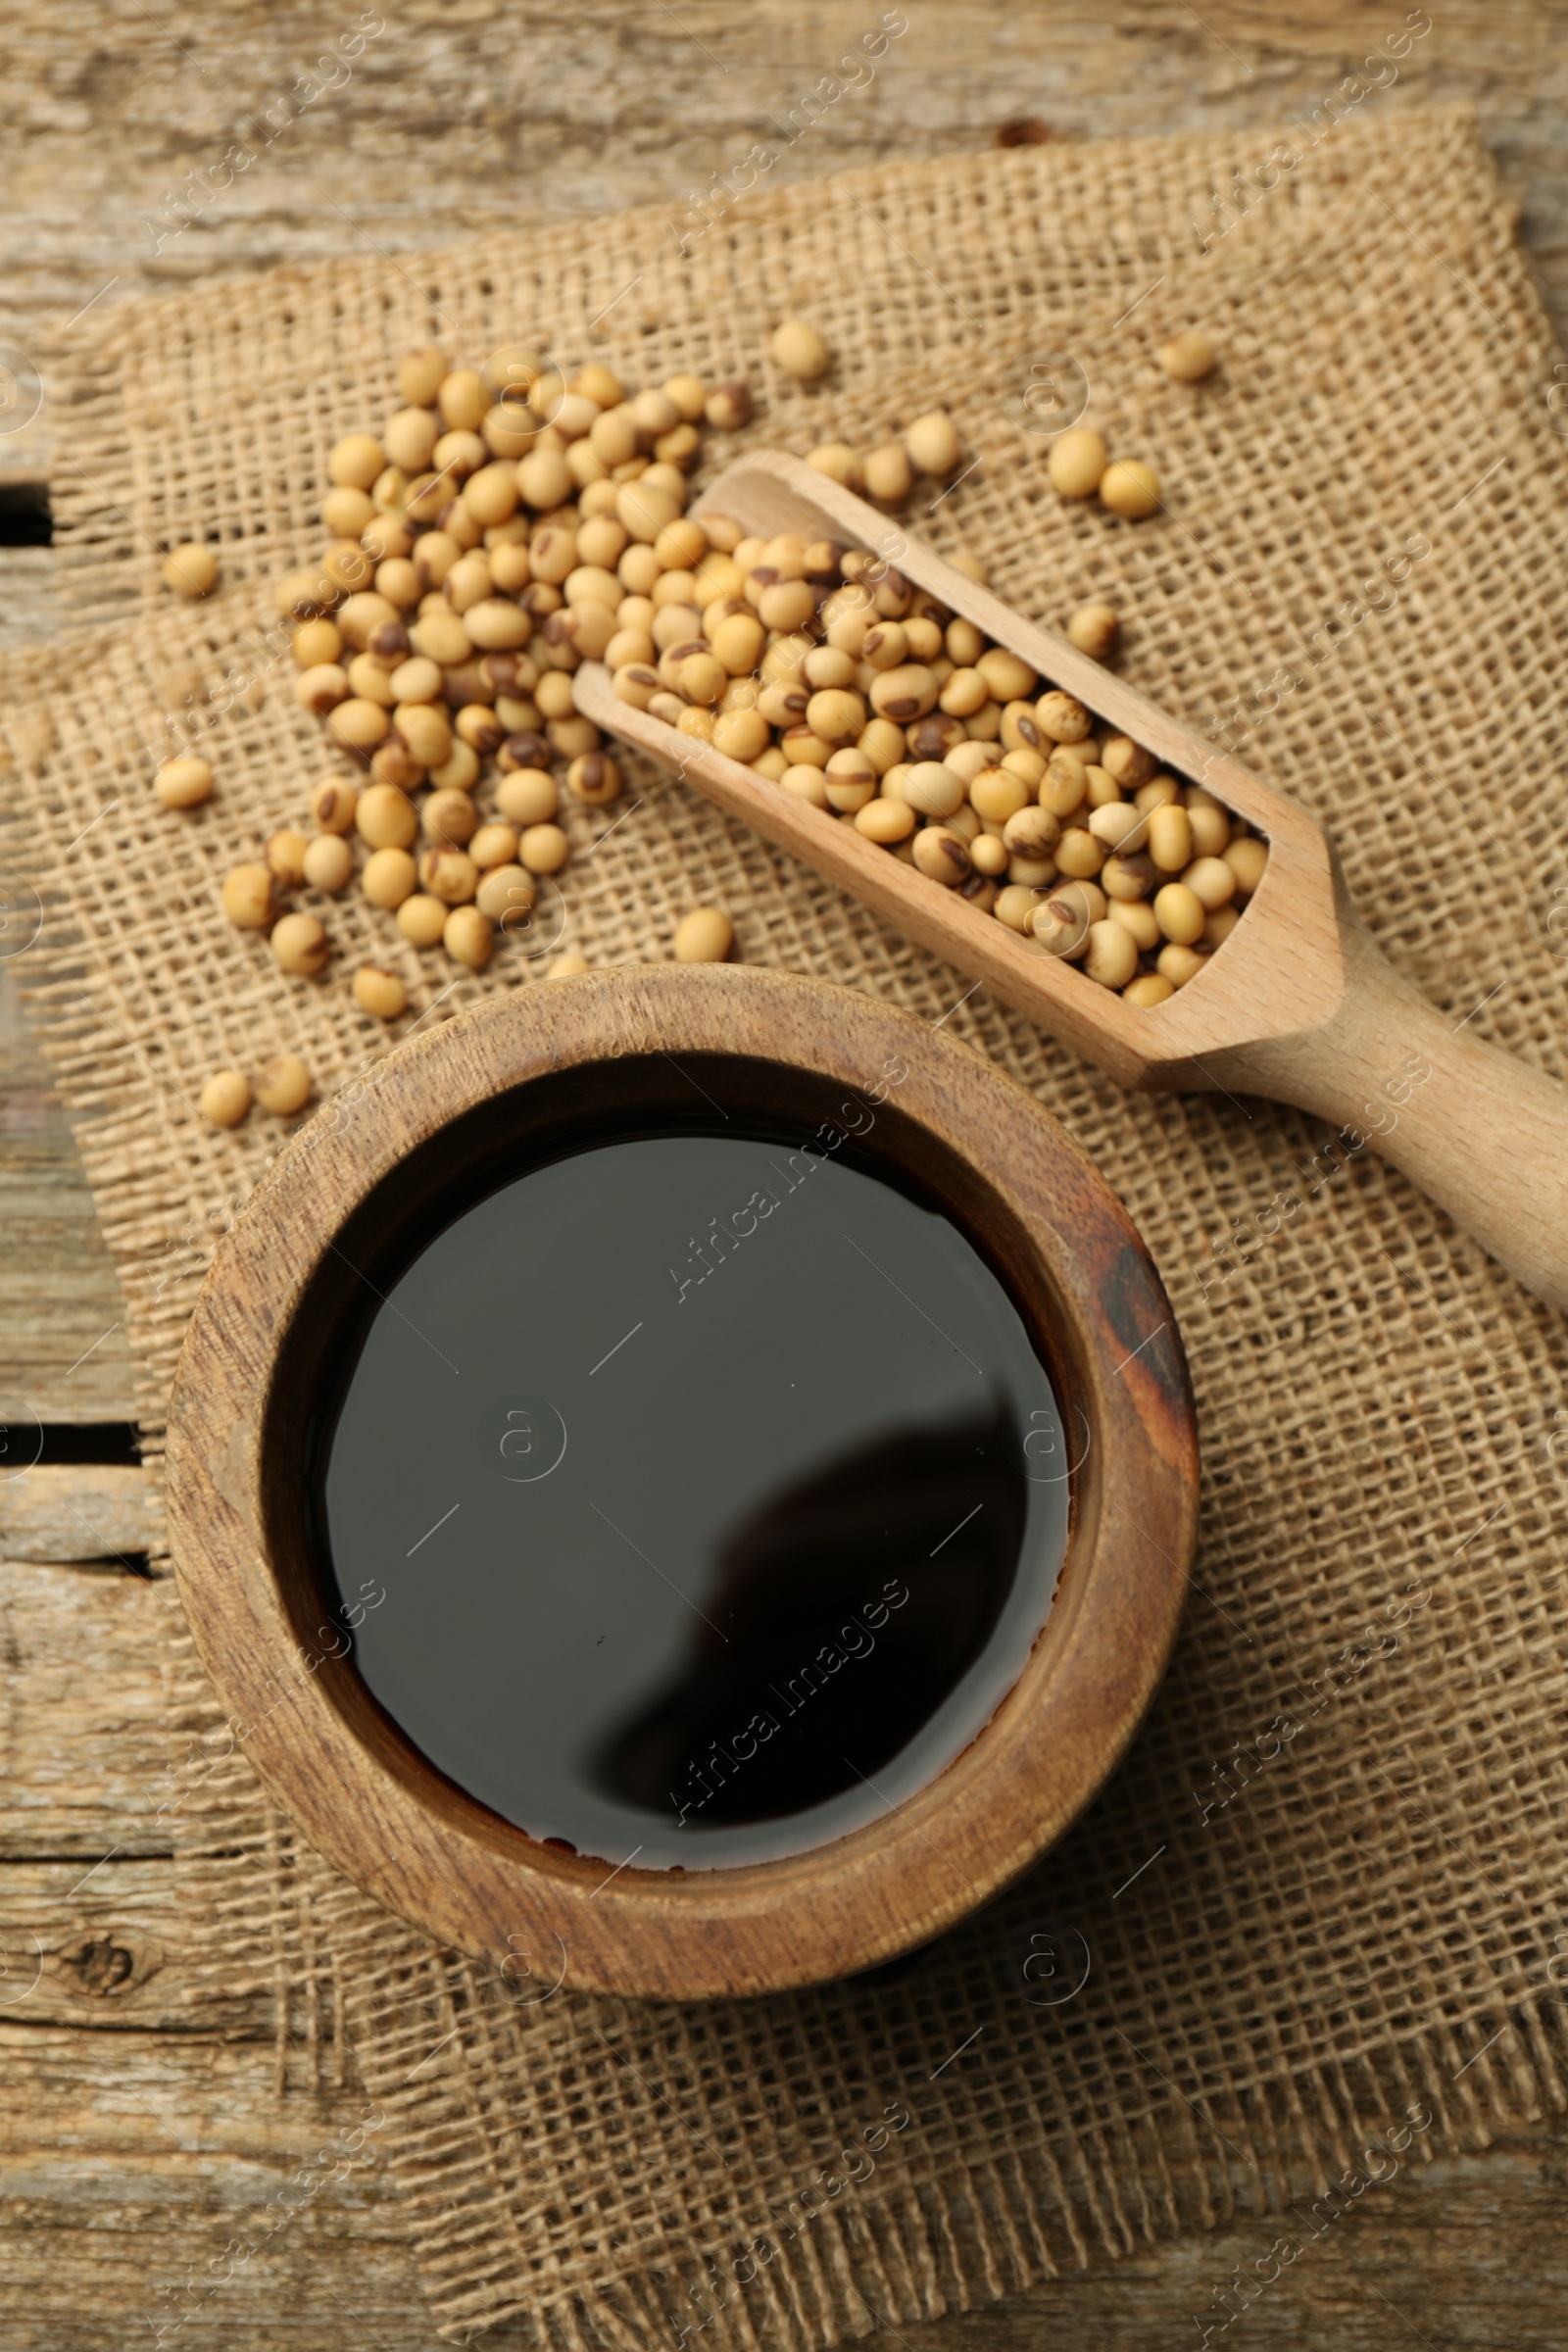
point(695, 1499)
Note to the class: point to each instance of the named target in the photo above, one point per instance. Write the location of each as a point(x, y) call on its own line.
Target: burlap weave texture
point(1292, 1937)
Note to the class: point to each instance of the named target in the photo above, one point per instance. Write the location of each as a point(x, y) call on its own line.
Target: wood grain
point(101, 1947)
point(80, 1511)
point(472, 114)
point(488, 1088)
point(1298, 1003)
point(464, 112)
point(63, 1352)
point(136, 2169)
point(81, 1655)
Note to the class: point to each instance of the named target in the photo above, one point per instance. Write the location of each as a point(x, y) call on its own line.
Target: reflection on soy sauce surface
point(716, 1487)
point(894, 1561)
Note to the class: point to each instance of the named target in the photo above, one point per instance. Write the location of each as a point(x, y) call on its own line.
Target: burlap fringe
point(1069, 2199)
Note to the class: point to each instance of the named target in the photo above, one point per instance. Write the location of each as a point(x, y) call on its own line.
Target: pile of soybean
point(828, 672)
point(480, 546)
point(508, 522)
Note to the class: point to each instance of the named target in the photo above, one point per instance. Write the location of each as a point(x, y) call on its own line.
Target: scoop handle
point(1484, 1134)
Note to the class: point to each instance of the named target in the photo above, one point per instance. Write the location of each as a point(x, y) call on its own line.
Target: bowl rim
point(439, 1858)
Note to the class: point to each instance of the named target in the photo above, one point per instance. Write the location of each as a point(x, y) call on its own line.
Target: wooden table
point(137, 2126)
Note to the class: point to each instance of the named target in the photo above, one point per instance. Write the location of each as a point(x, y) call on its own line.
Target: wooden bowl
point(337, 1212)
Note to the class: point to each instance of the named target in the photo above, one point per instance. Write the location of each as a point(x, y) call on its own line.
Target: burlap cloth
point(1322, 1890)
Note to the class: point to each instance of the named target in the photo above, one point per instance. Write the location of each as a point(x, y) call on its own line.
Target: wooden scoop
point(1297, 1004)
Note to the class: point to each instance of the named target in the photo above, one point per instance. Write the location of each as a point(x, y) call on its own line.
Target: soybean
point(1078, 458)
point(283, 1085)
point(327, 863)
point(704, 936)
point(378, 992)
point(932, 442)
point(385, 818)
point(1094, 631)
point(729, 406)
point(543, 848)
point(388, 877)
point(1130, 488)
point(299, 945)
point(184, 782)
point(225, 1099)
point(191, 570)
point(468, 937)
point(421, 919)
point(889, 474)
point(1180, 913)
point(942, 855)
point(1189, 357)
point(249, 897)
point(285, 858)
point(800, 350)
point(506, 893)
point(1112, 954)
